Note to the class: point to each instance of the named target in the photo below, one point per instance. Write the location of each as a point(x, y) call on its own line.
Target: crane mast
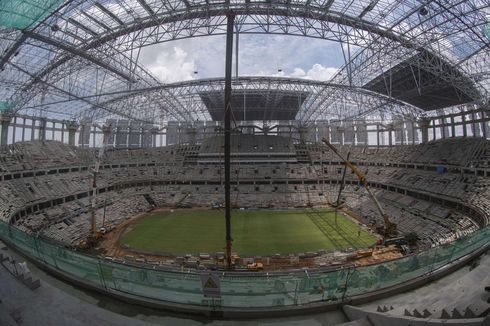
point(106, 131)
point(389, 227)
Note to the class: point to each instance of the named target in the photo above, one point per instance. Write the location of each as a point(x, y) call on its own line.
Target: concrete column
point(484, 117)
point(443, 128)
point(463, 119)
point(5, 119)
point(424, 127)
point(23, 129)
point(302, 131)
point(453, 127)
point(33, 129)
point(154, 134)
point(191, 135)
point(390, 130)
point(72, 127)
point(106, 130)
point(475, 126)
point(14, 130)
point(42, 129)
point(341, 131)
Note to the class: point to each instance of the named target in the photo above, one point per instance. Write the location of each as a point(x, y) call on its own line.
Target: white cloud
point(319, 72)
point(259, 55)
point(172, 66)
point(316, 72)
point(298, 72)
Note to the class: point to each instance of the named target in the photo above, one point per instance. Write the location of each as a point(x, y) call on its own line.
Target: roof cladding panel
point(412, 83)
point(255, 105)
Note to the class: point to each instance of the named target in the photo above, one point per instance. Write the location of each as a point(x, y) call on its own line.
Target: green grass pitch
point(261, 232)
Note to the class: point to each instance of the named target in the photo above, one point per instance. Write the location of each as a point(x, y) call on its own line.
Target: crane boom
point(390, 228)
point(98, 159)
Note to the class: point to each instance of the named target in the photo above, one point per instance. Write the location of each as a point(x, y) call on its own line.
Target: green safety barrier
point(5, 106)
point(245, 291)
point(22, 14)
point(486, 31)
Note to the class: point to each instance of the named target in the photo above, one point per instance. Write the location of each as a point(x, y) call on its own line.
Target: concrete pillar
point(42, 129)
point(453, 127)
point(154, 134)
point(33, 129)
point(463, 119)
point(302, 131)
point(475, 126)
point(443, 128)
point(5, 119)
point(23, 129)
point(72, 127)
point(106, 130)
point(191, 135)
point(424, 128)
point(14, 130)
point(484, 116)
point(390, 130)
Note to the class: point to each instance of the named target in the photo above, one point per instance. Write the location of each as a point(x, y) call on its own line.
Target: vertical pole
point(228, 71)
point(24, 129)
point(5, 120)
point(236, 52)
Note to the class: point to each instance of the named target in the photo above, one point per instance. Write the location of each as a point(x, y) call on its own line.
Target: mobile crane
point(95, 235)
point(389, 227)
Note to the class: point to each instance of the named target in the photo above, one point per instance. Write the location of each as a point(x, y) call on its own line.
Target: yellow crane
point(95, 235)
point(389, 227)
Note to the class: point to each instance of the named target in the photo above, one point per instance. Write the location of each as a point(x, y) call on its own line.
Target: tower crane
point(389, 227)
point(95, 235)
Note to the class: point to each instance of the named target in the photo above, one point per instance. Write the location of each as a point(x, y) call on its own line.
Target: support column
point(14, 127)
point(228, 68)
point(443, 128)
point(72, 127)
point(463, 120)
point(341, 131)
point(475, 125)
point(106, 131)
point(33, 129)
point(484, 117)
point(191, 135)
point(154, 134)
point(390, 130)
point(302, 130)
point(42, 129)
point(424, 128)
point(5, 119)
point(23, 129)
point(453, 127)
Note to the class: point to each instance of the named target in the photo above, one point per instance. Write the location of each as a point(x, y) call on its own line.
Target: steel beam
point(228, 108)
point(80, 53)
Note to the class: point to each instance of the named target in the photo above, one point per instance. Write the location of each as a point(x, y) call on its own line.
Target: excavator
point(95, 235)
point(389, 229)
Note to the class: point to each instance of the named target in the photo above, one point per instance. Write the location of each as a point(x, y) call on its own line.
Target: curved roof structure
point(74, 59)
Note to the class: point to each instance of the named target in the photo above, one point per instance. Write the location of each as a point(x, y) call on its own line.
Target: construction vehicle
point(255, 267)
point(180, 202)
point(95, 235)
point(389, 229)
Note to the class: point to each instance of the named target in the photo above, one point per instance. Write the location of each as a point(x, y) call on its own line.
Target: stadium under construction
point(363, 199)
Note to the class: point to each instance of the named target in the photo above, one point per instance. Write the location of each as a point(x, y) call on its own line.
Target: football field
point(254, 232)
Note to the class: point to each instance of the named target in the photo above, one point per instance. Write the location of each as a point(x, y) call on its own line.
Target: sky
point(259, 55)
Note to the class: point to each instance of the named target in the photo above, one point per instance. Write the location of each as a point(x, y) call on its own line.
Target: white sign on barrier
point(211, 286)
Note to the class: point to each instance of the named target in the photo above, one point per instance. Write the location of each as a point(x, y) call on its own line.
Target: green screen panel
point(22, 14)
